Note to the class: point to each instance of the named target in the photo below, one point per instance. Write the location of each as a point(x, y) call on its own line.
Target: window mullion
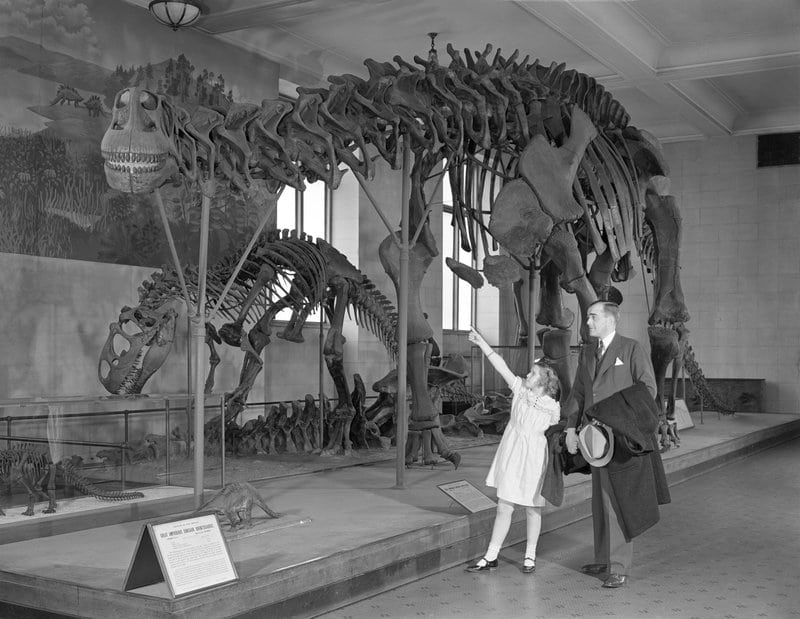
point(454, 253)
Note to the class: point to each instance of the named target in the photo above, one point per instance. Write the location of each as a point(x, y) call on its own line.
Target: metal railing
point(126, 414)
point(167, 409)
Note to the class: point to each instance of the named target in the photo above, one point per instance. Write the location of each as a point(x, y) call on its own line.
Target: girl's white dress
point(518, 467)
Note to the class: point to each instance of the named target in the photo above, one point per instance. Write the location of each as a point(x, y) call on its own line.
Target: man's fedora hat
point(596, 441)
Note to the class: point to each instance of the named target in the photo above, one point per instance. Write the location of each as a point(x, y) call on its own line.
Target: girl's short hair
point(551, 385)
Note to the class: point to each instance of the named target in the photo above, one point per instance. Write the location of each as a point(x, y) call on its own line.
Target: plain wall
point(741, 263)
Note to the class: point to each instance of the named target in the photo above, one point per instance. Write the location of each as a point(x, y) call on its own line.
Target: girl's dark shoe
point(528, 566)
point(482, 566)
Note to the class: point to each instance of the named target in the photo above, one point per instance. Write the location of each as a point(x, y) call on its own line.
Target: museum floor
point(727, 546)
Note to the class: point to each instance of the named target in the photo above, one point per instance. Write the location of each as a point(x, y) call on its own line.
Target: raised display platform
point(360, 535)
point(745, 395)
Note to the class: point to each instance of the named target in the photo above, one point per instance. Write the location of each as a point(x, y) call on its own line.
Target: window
point(458, 297)
point(312, 209)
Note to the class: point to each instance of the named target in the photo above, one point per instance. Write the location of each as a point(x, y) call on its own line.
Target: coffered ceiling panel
point(765, 90)
point(698, 21)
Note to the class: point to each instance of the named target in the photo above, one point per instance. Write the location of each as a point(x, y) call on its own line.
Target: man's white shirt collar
point(607, 340)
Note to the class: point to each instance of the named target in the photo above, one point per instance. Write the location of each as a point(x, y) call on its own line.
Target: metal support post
point(198, 339)
point(168, 436)
point(402, 321)
point(222, 440)
point(321, 380)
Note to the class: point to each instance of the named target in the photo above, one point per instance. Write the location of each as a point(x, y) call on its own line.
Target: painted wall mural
point(61, 63)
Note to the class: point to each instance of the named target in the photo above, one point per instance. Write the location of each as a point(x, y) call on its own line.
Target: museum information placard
point(467, 495)
point(191, 554)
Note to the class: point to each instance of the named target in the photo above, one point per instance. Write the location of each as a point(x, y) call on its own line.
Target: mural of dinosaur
point(95, 107)
point(559, 145)
point(67, 94)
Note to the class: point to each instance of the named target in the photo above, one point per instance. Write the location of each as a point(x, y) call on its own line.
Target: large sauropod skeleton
point(557, 142)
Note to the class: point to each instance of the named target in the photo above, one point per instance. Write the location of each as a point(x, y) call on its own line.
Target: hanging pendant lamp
point(175, 13)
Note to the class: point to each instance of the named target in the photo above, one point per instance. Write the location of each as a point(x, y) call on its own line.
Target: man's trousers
point(610, 546)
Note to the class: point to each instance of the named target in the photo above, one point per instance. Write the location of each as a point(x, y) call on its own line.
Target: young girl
point(519, 463)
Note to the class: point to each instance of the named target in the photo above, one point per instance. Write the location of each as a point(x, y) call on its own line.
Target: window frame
point(454, 252)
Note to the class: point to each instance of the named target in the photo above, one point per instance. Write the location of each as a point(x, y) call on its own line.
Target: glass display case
point(62, 457)
point(56, 452)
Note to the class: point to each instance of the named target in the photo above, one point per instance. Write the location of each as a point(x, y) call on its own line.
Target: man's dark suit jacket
point(624, 363)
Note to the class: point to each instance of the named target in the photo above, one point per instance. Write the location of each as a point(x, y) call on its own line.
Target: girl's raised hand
point(474, 336)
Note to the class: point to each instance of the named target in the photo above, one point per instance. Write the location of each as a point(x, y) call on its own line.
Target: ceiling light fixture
point(175, 13)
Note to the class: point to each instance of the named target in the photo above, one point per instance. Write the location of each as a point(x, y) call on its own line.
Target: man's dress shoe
point(594, 568)
point(615, 581)
point(482, 565)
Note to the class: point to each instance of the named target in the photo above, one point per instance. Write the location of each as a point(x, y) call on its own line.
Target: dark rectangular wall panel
point(778, 149)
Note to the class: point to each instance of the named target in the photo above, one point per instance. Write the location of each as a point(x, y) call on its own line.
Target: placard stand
point(191, 554)
point(682, 416)
point(467, 495)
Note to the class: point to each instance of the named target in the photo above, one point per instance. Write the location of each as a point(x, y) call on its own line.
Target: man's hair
point(551, 385)
point(610, 308)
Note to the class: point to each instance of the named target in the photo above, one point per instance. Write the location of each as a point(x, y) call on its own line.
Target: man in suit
point(605, 367)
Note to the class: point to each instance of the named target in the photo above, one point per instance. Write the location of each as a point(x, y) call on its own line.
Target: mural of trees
point(54, 200)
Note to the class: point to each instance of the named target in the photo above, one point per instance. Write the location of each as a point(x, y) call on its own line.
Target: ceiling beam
point(701, 104)
point(771, 121)
point(729, 57)
point(617, 37)
point(675, 132)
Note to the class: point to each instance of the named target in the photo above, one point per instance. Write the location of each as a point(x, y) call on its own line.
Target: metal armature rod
point(202, 261)
point(374, 202)
point(531, 316)
point(429, 207)
point(198, 339)
point(270, 210)
point(421, 226)
point(533, 267)
point(402, 322)
point(176, 261)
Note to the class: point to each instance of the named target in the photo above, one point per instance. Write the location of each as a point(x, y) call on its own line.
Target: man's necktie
point(598, 356)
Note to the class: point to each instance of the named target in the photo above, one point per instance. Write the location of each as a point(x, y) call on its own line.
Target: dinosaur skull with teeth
point(139, 145)
point(137, 345)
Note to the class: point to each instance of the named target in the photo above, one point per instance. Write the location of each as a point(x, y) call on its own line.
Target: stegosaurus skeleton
point(31, 466)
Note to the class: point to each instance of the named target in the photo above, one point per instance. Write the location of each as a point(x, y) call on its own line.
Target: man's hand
point(572, 441)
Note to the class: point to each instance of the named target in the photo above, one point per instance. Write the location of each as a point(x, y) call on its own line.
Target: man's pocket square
point(618, 362)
